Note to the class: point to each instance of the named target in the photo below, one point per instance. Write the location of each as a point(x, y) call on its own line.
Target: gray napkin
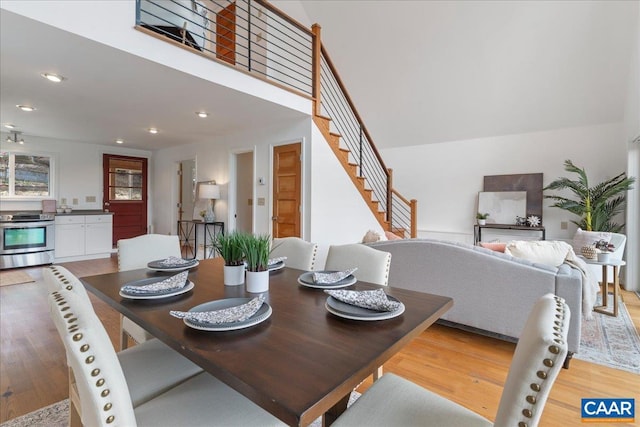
point(173, 261)
point(373, 300)
point(176, 282)
point(274, 261)
point(329, 278)
point(235, 314)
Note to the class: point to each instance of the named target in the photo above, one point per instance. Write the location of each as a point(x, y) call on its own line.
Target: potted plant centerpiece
point(482, 218)
point(229, 247)
point(256, 253)
point(605, 249)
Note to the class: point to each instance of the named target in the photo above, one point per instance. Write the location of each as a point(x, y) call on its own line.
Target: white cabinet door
point(69, 240)
point(98, 238)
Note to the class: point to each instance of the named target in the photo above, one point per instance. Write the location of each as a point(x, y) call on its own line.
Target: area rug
point(14, 277)
point(611, 341)
point(57, 415)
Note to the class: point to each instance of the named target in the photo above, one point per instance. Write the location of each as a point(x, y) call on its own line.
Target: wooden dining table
point(300, 363)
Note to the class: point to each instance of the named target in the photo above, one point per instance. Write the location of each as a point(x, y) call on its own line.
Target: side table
point(187, 230)
point(615, 263)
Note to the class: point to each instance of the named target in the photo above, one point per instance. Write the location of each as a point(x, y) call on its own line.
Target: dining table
point(302, 362)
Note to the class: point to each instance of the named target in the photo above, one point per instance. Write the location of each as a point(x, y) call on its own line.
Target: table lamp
point(210, 192)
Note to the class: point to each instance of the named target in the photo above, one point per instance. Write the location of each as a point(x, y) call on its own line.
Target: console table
point(188, 230)
point(616, 264)
point(477, 230)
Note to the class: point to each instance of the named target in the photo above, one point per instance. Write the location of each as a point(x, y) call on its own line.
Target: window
point(24, 175)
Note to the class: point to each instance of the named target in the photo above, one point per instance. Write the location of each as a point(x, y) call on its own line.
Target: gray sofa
point(491, 291)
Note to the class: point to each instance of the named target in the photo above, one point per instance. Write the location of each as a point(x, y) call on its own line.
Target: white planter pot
point(257, 281)
point(482, 222)
point(233, 275)
point(604, 256)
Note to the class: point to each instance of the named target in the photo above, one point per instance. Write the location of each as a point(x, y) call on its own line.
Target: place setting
point(172, 264)
point(328, 279)
point(227, 314)
point(276, 264)
point(157, 287)
point(367, 305)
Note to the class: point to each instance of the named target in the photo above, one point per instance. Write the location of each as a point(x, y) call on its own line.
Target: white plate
point(263, 313)
point(186, 267)
point(180, 291)
point(348, 311)
point(306, 279)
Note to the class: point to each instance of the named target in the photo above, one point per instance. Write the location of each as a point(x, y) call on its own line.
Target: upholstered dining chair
point(135, 253)
point(152, 366)
point(300, 253)
point(103, 389)
point(536, 363)
point(373, 265)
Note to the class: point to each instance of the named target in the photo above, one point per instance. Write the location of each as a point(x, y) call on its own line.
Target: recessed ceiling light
point(153, 130)
point(202, 114)
point(53, 77)
point(26, 107)
point(119, 141)
point(9, 126)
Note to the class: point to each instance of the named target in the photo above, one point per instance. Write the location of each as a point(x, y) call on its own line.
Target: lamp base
point(209, 218)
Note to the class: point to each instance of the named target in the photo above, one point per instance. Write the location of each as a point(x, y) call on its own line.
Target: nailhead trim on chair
point(547, 362)
point(84, 347)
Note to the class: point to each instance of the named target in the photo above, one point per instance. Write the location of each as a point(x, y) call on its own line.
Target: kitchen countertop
point(85, 212)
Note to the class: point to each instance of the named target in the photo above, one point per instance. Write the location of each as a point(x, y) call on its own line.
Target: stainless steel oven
point(26, 239)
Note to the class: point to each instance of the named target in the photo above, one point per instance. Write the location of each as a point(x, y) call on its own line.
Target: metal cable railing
point(251, 35)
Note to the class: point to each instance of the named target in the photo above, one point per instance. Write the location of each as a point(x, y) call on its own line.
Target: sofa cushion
point(540, 251)
point(494, 246)
point(588, 238)
point(391, 236)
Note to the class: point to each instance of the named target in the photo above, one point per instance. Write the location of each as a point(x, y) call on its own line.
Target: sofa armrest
point(569, 287)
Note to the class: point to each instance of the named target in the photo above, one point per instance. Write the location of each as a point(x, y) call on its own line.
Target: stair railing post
point(389, 199)
point(316, 62)
point(360, 153)
point(249, 47)
point(414, 218)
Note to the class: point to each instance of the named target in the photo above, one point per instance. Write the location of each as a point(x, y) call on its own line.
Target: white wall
point(446, 178)
point(78, 170)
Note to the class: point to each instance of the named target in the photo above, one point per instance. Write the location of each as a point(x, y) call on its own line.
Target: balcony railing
point(257, 38)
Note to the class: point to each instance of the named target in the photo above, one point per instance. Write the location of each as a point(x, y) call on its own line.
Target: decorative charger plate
point(157, 266)
point(306, 279)
point(155, 295)
point(263, 313)
point(348, 311)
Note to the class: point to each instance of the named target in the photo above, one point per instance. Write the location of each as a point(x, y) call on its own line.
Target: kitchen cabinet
point(81, 237)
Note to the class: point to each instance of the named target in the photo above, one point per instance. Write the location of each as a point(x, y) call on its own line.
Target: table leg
point(616, 286)
point(336, 410)
point(603, 309)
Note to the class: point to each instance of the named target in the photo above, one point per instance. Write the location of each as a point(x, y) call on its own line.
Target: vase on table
point(234, 275)
point(604, 257)
point(257, 281)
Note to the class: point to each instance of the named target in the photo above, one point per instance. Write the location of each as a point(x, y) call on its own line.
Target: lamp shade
point(209, 191)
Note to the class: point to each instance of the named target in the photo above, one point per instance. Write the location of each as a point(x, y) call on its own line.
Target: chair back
point(102, 387)
point(373, 265)
point(300, 253)
point(538, 358)
point(137, 252)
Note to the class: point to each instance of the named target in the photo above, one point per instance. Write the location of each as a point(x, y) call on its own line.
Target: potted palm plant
point(256, 253)
point(482, 218)
point(229, 247)
point(596, 206)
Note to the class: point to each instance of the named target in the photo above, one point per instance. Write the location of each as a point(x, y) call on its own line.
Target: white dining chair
point(373, 265)
point(157, 364)
point(102, 389)
point(538, 358)
point(135, 253)
point(300, 253)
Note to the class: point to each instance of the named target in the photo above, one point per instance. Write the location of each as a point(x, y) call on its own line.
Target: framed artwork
point(502, 206)
point(529, 182)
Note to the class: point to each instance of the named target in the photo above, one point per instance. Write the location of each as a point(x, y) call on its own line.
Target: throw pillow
point(494, 246)
point(371, 237)
point(588, 238)
point(546, 252)
point(391, 236)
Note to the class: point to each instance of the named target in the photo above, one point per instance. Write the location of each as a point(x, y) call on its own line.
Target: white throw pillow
point(588, 238)
point(546, 252)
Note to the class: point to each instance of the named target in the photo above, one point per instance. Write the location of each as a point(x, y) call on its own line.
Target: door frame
point(233, 188)
point(303, 184)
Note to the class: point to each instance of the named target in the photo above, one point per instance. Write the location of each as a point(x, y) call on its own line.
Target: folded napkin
point(225, 315)
point(373, 300)
point(329, 278)
point(274, 261)
point(172, 283)
point(173, 261)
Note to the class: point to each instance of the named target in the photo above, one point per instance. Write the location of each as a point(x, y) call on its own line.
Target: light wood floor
point(467, 368)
